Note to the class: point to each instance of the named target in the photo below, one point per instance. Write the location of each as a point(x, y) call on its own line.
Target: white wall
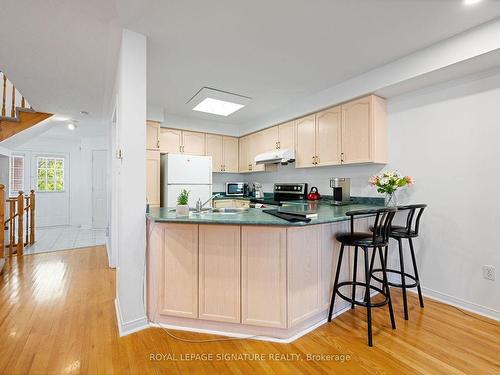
point(447, 138)
point(129, 182)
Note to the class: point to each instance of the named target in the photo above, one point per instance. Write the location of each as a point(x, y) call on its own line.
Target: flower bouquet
point(387, 182)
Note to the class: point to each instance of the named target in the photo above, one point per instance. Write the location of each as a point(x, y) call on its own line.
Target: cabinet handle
point(180, 148)
point(158, 143)
point(341, 157)
point(314, 160)
point(317, 160)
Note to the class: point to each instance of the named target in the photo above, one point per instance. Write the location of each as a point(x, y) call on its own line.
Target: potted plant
point(182, 208)
point(387, 182)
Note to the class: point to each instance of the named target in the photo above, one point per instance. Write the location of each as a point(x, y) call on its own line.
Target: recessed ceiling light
point(217, 107)
point(84, 113)
point(217, 102)
point(471, 2)
point(71, 126)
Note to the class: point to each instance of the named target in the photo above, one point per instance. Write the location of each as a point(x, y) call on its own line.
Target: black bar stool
point(376, 240)
point(399, 233)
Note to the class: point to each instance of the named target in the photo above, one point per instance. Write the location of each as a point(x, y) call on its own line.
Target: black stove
point(283, 192)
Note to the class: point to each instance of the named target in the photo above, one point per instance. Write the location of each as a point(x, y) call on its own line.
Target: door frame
point(92, 186)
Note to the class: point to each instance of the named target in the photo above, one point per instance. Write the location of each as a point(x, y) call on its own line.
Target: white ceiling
point(62, 54)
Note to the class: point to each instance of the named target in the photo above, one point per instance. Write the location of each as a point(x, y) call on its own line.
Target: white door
point(188, 169)
point(52, 191)
point(99, 189)
point(196, 192)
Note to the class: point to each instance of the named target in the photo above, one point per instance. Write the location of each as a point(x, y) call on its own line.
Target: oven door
point(235, 188)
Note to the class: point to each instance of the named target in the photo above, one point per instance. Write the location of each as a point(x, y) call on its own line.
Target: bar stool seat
point(400, 232)
point(360, 239)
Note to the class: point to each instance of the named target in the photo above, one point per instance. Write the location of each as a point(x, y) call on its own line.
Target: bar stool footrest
point(362, 303)
point(398, 272)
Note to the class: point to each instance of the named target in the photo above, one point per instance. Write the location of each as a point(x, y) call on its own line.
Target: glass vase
point(391, 200)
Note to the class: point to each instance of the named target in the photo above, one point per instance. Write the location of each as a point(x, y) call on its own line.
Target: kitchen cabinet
point(170, 141)
point(245, 165)
point(305, 144)
point(286, 135)
point(193, 143)
point(224, 152)
point(263, 276)
point(182, 142)
point(222, 203)
point(179, 265)
point(152, 135)
point(364, 131)
point(304, 273)
point(219, 273)
point(230, 154)
point(153, 178)
point(328, 136)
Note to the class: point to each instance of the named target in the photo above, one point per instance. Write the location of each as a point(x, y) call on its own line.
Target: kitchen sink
point(223, 211)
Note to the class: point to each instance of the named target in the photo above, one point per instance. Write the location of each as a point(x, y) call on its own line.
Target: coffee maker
point(341, 190)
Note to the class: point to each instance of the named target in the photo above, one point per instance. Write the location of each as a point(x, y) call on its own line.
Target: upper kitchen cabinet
point(243, 154)
point(170, 140)
point(152, 135)
point(193, 143)
point(328, 136)
point(286, 135)
point(182, 142)
point(224, 152)
point(230, 154)
point(364, 131)
point(153, 178)
point(267, 139)
point(305, 144)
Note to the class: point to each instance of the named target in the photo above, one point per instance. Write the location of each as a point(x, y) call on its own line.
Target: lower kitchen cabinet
point(179, 271)
point(304, 272)
point(263, 276)
point(219, 273)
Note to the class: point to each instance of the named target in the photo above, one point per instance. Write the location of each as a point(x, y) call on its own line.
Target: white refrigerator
point(190, 172)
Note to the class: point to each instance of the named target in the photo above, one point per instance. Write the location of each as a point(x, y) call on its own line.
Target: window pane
point(41, 185)
point(42, 163)
point(50, 163)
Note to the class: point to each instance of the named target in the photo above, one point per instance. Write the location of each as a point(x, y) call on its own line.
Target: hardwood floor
point(57, 315)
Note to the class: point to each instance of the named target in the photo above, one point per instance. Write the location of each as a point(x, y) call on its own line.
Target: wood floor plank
point(57, 316)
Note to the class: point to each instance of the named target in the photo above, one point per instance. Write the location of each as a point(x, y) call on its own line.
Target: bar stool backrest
point(411, 225)
point(382, 224)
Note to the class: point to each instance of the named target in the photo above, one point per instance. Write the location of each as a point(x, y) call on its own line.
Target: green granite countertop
point(254, 216)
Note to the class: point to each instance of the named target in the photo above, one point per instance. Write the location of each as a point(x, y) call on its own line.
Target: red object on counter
point(313, 194)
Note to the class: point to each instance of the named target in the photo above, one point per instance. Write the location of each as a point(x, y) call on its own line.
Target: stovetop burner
point(284, 192)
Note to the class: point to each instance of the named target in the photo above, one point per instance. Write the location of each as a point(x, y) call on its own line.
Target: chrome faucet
point(199, 205)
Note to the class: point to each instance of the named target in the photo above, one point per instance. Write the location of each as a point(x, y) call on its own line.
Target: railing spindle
point(20, 217)
point(13, 108)
point(12, 215)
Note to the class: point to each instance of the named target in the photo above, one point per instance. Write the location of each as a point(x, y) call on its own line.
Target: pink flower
point(373, 180)
point(409, 180)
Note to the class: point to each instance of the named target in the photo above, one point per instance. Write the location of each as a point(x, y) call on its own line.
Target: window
point(16, 180)
point(50, 174)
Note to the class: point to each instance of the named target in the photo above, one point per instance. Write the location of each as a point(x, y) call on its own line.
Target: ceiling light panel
point(217, 102)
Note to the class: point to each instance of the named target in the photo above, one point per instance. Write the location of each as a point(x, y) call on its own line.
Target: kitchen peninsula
point(245, 273)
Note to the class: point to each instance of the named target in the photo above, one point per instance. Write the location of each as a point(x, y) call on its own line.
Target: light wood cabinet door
point(230, 154)
point(329, 136)
point(214, 148)
point(305, 143)
point(356, 131)
point(193, 143)
point(153, 177)
point(170, 141)
point(152, 135)
point(304, 273)
point(179, 281)
point(257, 146)
point(263, 276)
point(222, 203)
point(241, 203)
point(268, 139)
point(243, 152)
point(219, 273)
point(286, 135)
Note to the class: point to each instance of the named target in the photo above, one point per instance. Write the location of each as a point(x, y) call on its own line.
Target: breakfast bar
point(244, 273)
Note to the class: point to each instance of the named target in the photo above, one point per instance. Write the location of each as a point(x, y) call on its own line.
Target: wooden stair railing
point(21, 215)
point(16, 113)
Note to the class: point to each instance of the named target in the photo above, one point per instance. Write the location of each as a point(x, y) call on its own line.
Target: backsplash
point(318, 176)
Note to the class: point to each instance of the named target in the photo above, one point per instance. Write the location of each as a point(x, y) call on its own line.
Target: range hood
point(284, 156)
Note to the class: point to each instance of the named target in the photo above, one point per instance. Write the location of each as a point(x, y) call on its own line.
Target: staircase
point(16, 114)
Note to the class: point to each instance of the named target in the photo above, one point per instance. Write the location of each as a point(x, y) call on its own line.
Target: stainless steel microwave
point(236, 188)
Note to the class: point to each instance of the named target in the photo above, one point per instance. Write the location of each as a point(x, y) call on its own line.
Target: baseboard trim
point(247, 336)
point(460, 303)
point(126, 328)
point(108, 251)
point(454, 301)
